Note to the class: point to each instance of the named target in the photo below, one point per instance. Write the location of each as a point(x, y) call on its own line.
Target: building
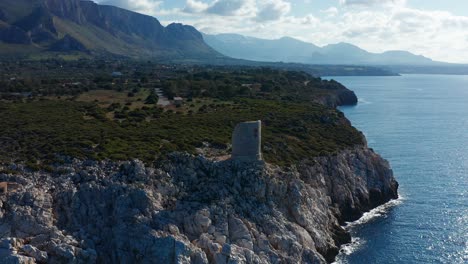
point(178, 101)
point(246, 141)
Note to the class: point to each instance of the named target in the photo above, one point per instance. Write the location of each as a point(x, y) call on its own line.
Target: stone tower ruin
point(246, 141)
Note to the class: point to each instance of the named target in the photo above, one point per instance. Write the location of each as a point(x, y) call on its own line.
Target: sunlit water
point(420, 124)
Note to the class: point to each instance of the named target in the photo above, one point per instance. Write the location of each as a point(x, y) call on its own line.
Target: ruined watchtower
point(246, 141)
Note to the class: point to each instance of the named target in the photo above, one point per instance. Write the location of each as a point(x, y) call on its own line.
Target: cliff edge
point(188, 209)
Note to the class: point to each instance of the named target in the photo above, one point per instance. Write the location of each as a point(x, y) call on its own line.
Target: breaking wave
point(374, 213)
point(357, 242)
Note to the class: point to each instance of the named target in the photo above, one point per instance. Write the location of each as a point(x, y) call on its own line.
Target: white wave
point(374, 213)
point(348, 249)
point(363, 101)
point(356, 242)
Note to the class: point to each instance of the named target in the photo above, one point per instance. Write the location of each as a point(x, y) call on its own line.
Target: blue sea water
point(420, 124)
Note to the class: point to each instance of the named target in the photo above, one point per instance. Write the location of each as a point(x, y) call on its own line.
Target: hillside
point(292, 50)
point(34, 26)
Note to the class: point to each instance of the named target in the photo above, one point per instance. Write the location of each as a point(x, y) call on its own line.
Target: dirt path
point(162, 100)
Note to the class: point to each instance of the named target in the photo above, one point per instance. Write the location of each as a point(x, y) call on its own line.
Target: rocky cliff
point(340, 97)
point(188, 209)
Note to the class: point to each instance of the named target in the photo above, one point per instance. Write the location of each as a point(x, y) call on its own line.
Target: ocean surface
point(420, 124)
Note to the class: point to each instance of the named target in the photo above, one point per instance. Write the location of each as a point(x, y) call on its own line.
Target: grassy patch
point(104, 98)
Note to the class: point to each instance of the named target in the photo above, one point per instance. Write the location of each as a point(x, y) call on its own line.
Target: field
point(104, 98)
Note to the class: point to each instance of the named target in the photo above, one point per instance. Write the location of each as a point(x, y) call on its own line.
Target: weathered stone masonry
point(246, 141)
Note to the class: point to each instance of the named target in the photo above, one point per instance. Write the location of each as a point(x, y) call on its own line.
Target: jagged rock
point(17, 259)
point(190, 209)
point(34, 253)
point(9, 252)
point(239, 233)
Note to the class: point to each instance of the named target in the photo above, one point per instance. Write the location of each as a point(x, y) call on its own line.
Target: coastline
point(193, 209)
point(210, 210)
point(357, 242)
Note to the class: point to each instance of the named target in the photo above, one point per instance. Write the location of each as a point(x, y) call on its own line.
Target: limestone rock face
point(189, 209)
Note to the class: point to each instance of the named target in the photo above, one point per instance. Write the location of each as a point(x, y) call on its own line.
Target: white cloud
point(147, 7)
point(331, 11)
point(273, 10)
point(229, 7)
point(259, 10)
point(221, 7)
point(309, 20)
point(373, 2)
point(193, 6)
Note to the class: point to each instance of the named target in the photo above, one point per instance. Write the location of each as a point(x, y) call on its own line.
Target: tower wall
point(246, 141)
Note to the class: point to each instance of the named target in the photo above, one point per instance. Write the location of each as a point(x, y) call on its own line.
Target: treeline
point(60, 78)
point(264, 83)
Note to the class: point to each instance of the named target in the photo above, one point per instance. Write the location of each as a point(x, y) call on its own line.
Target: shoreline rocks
point(188, 209)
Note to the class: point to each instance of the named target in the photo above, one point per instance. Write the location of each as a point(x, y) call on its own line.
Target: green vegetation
point(152, 98)
point(105, 98)
point(108, 110)
point(38, 130)
point(262, 83)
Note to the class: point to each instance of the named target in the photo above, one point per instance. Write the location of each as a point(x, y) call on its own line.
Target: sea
point(419, 123)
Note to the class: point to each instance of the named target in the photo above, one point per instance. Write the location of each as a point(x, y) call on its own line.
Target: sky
point(437, 29)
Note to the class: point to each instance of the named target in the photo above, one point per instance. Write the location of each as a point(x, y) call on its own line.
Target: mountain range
point(30, 26)
point(288, 49)
point(46, 28)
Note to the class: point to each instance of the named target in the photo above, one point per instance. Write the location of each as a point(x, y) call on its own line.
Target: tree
point(152, 98)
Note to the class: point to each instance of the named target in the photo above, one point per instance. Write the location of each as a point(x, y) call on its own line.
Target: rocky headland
point(189, 209)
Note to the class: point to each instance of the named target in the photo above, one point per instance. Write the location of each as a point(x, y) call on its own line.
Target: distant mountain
point(249, 48)
point(83, 26)
point(292, 50)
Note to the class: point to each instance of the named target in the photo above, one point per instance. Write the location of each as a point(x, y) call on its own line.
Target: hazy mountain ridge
point(288, 49)
point(43, 25)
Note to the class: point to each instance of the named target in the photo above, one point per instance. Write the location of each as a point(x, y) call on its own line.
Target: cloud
point(193, 6)
point(258, 10)
point(331, 12)
point(141, 6)
point(220, 7)
point(227, 7)
point(373, 2)
point(273, 10)
point(309, 20)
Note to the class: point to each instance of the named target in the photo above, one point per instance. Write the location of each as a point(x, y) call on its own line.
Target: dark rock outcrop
point(189, 210)
point(338, 97)
point(13, 35)
point(346, 97)
point(68, 44)
point(39, 25)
